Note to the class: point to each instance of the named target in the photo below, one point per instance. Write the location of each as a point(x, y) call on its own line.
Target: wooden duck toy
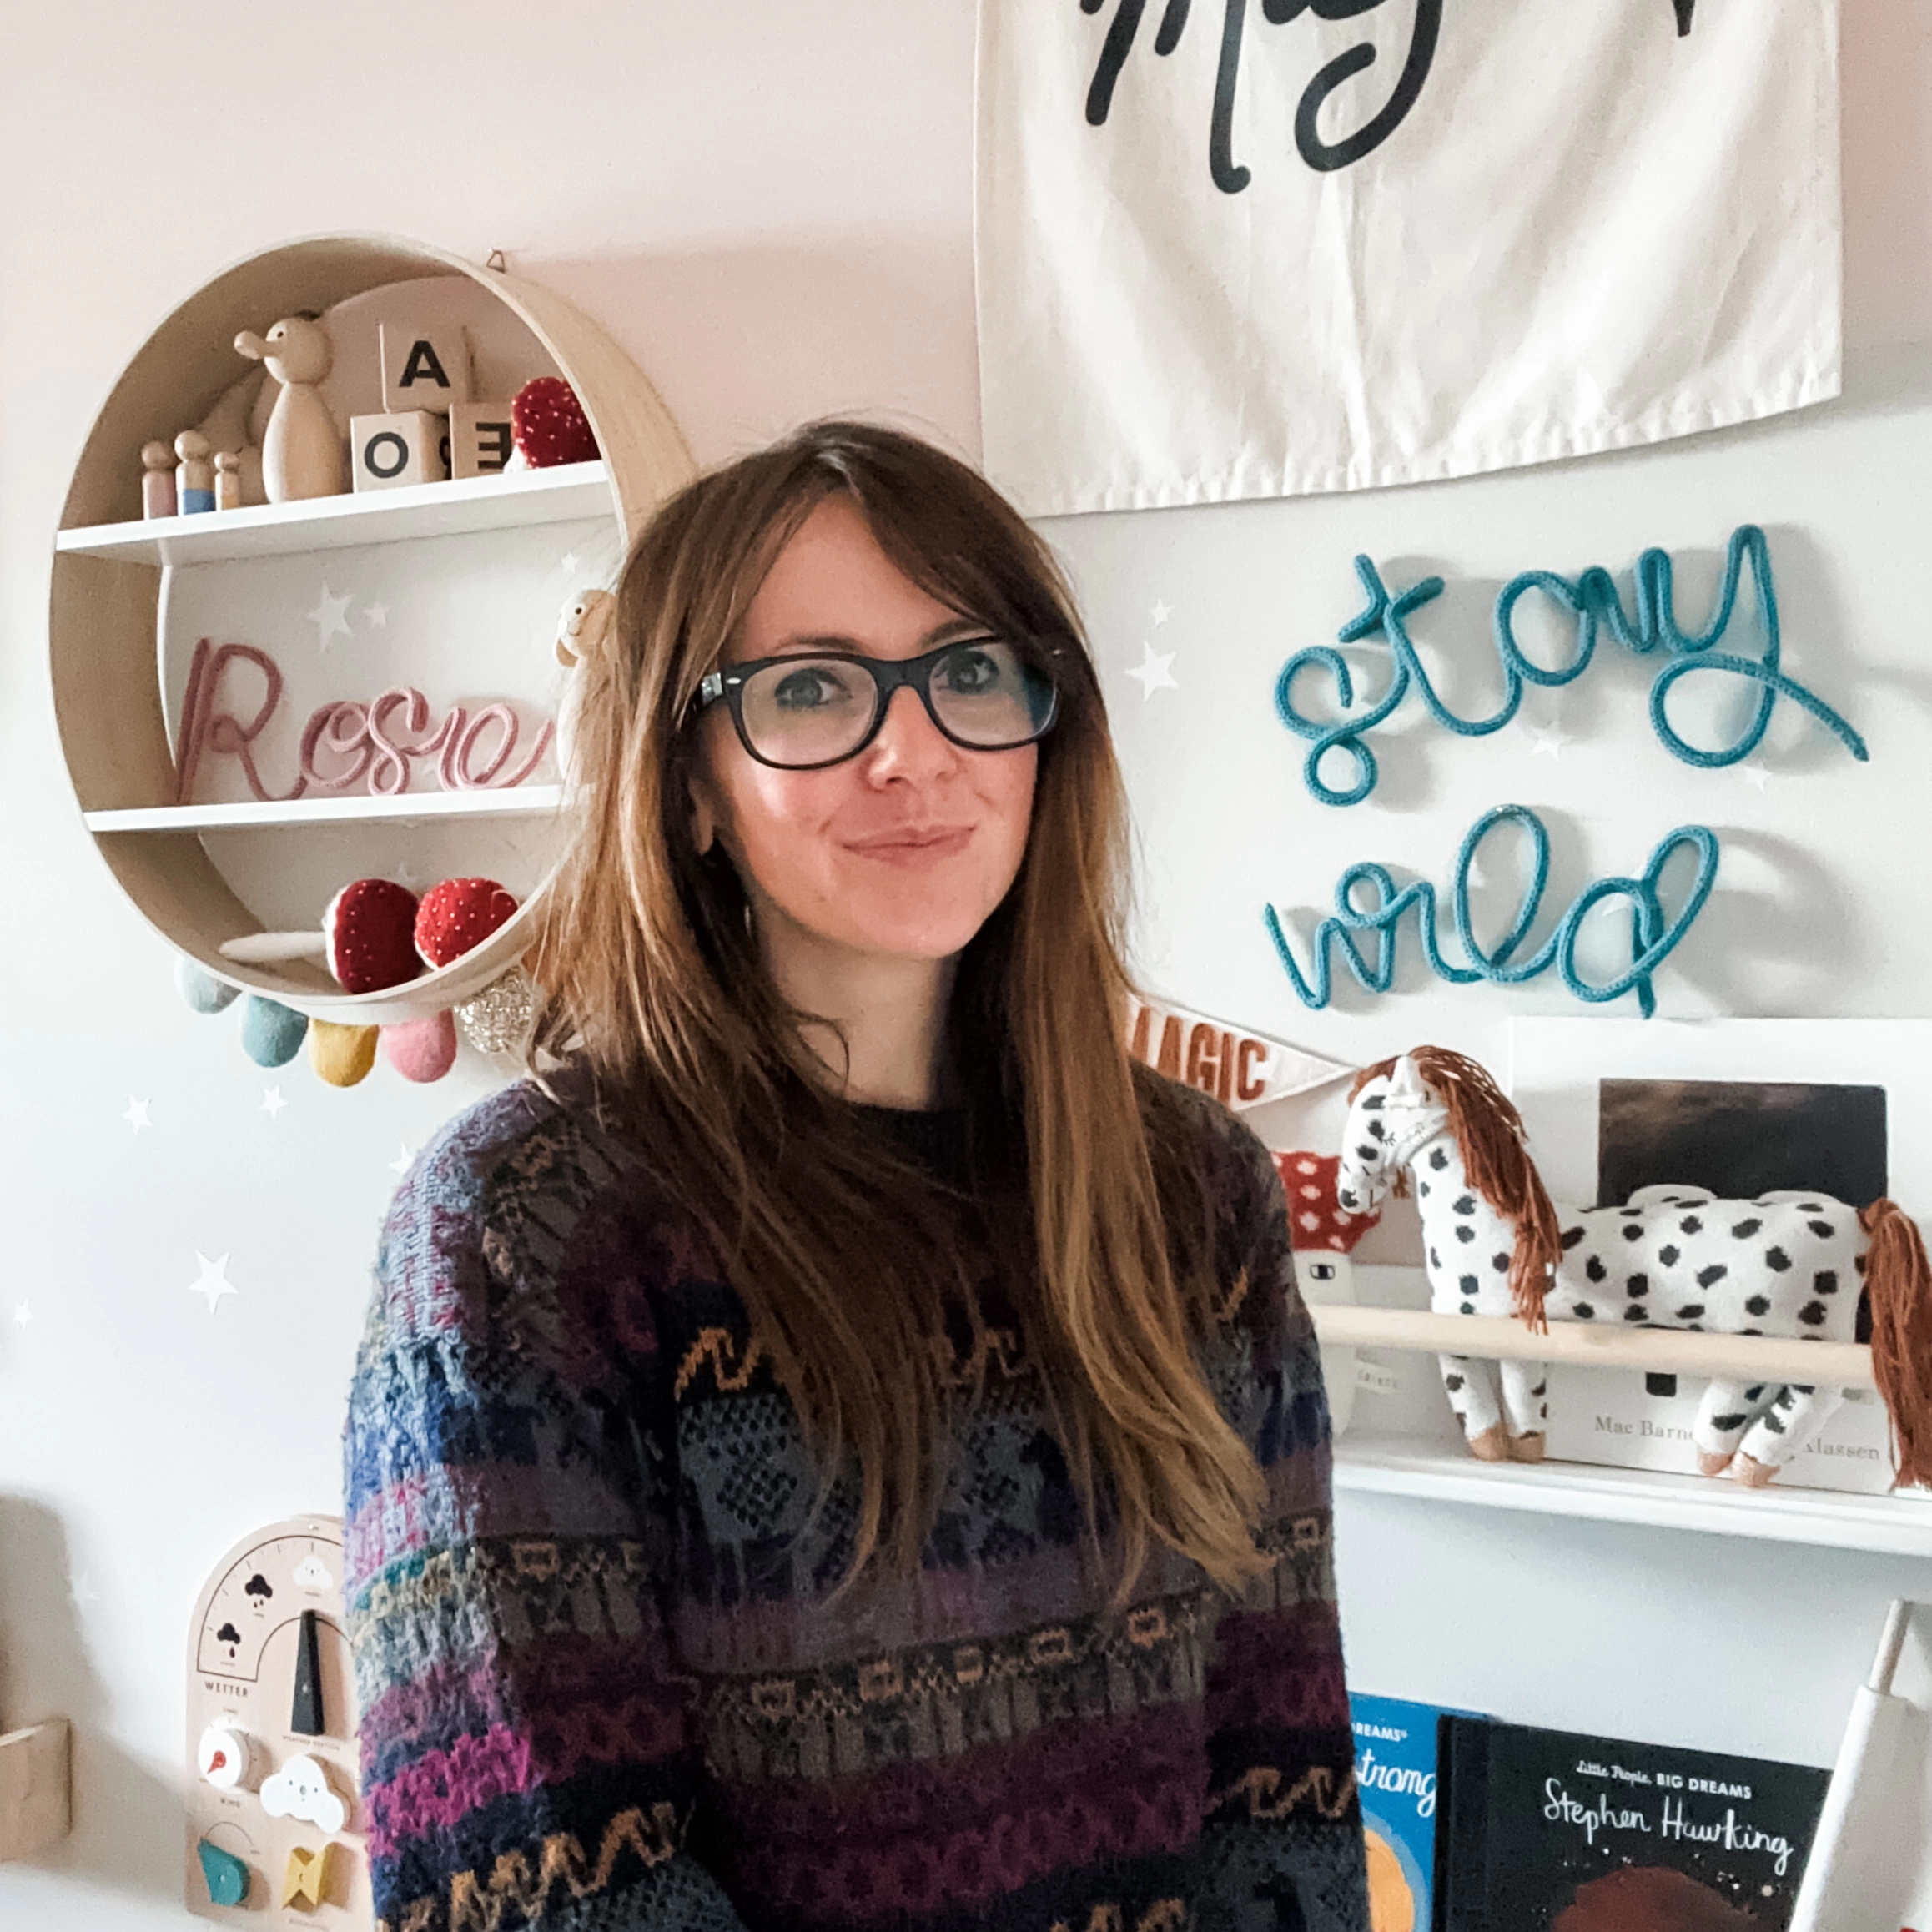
point(304, 453)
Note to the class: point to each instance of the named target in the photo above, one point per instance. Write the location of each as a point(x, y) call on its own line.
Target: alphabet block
point(387, 452)
point(481, 441)
point(424, 368)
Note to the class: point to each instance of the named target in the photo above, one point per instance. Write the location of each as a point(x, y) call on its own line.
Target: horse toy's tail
point(1898, 1279)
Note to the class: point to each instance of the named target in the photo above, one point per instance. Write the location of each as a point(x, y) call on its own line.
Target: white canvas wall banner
point(1253, 248)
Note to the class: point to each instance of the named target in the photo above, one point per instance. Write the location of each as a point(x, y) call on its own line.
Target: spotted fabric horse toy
point(1786, 1264)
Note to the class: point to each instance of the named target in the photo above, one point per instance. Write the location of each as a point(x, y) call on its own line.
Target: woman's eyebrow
point(807, 641)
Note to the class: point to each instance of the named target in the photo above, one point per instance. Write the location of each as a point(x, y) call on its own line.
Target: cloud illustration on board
point(301, 1789)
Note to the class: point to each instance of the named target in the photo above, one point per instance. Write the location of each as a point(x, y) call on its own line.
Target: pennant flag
point(1241, 1068)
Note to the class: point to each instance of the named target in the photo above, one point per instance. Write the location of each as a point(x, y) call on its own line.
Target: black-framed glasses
point(814, 708)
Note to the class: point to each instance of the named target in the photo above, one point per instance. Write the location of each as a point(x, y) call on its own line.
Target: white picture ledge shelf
point(1443, 1471)
point(513, 802)
point(517, 499)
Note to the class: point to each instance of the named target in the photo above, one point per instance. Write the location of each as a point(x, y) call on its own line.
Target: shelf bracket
point(36, 1788)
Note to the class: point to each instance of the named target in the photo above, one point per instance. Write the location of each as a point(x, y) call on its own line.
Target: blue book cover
point(1394, 1768)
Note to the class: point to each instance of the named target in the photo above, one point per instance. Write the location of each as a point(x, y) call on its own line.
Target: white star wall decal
point(272, 1102)
point(136, 1115)
point(23, 1314)
point(214, 1283)
point(330, 618)
point(1152, 672)
point(1547, 744)
point(400, 1165)
point(1162, 613)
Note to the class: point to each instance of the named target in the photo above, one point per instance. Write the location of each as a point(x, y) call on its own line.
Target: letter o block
point(387, 452)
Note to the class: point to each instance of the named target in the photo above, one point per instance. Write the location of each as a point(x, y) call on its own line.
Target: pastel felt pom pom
point(271, 1034)
point(341, 1055)
point(459, 914)
point(422, 1050)
point(200, 988)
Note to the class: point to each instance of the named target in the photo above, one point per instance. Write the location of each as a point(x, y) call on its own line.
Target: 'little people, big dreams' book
point(1395, 1770)
point(1547, 1831)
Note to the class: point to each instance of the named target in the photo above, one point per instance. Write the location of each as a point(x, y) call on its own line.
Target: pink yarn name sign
point(346, 744)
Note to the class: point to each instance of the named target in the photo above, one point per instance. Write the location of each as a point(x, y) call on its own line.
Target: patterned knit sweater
point(601, 1688)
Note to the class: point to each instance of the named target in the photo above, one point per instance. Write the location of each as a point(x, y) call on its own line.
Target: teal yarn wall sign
point(1594, 605)
point(1654, 935)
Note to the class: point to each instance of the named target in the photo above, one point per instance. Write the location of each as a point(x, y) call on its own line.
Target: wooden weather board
point(271, 1737)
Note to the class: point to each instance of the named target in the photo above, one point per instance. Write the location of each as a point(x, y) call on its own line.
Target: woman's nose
point(909, 744)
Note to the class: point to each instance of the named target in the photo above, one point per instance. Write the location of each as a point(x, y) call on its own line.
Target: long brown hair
point(1086, 1188)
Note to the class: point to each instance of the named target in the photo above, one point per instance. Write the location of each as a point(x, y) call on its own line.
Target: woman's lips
point(913, 848)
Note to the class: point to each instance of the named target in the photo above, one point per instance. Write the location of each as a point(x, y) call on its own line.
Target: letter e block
point(480, 443)
point(424, 368)
point(388, 451)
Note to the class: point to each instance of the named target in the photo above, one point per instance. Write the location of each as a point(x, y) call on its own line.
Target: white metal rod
point(1660, 1350)
point(1897, 1621)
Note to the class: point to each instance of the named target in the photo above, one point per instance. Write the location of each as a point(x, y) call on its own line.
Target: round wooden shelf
point(105, 638)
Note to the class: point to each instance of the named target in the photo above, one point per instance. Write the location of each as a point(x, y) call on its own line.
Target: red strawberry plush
point(368, 930)
point(550, 425)
point(458, 914)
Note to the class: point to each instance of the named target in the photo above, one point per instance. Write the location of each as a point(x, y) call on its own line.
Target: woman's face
point(904, 849)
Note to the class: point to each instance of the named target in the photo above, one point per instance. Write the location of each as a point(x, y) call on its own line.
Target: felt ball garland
point(376, 935)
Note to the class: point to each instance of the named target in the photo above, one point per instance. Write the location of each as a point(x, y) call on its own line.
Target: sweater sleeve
point(525, 1743)
point(1283, 1844)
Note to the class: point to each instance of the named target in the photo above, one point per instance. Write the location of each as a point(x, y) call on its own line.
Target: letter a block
point(386, 452)
point(424, 368)
point(481, 440)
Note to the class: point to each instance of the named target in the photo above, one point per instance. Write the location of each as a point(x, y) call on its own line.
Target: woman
point(844, 1449)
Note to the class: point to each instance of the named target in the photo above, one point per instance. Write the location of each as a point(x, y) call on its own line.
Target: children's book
point(1395, 1770)
point(1547, 1831)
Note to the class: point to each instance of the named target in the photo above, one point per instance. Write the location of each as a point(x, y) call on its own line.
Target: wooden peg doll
point(156, 480)
point(195, 474)
point(227, 479)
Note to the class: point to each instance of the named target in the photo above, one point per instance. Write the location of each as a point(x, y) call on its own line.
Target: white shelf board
point(569, 493)
point(514, 802)
point(1442, 1472)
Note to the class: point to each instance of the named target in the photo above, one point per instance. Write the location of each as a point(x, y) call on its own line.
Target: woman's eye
point(972, 673)
point(808, 688)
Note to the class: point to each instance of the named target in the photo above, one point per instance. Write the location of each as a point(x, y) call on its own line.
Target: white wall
point(770, 205)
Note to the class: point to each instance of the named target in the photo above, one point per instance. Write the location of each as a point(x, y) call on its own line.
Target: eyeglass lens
point(811, 710)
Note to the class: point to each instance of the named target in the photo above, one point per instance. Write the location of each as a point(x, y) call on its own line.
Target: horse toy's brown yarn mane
point(1489, 1135)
